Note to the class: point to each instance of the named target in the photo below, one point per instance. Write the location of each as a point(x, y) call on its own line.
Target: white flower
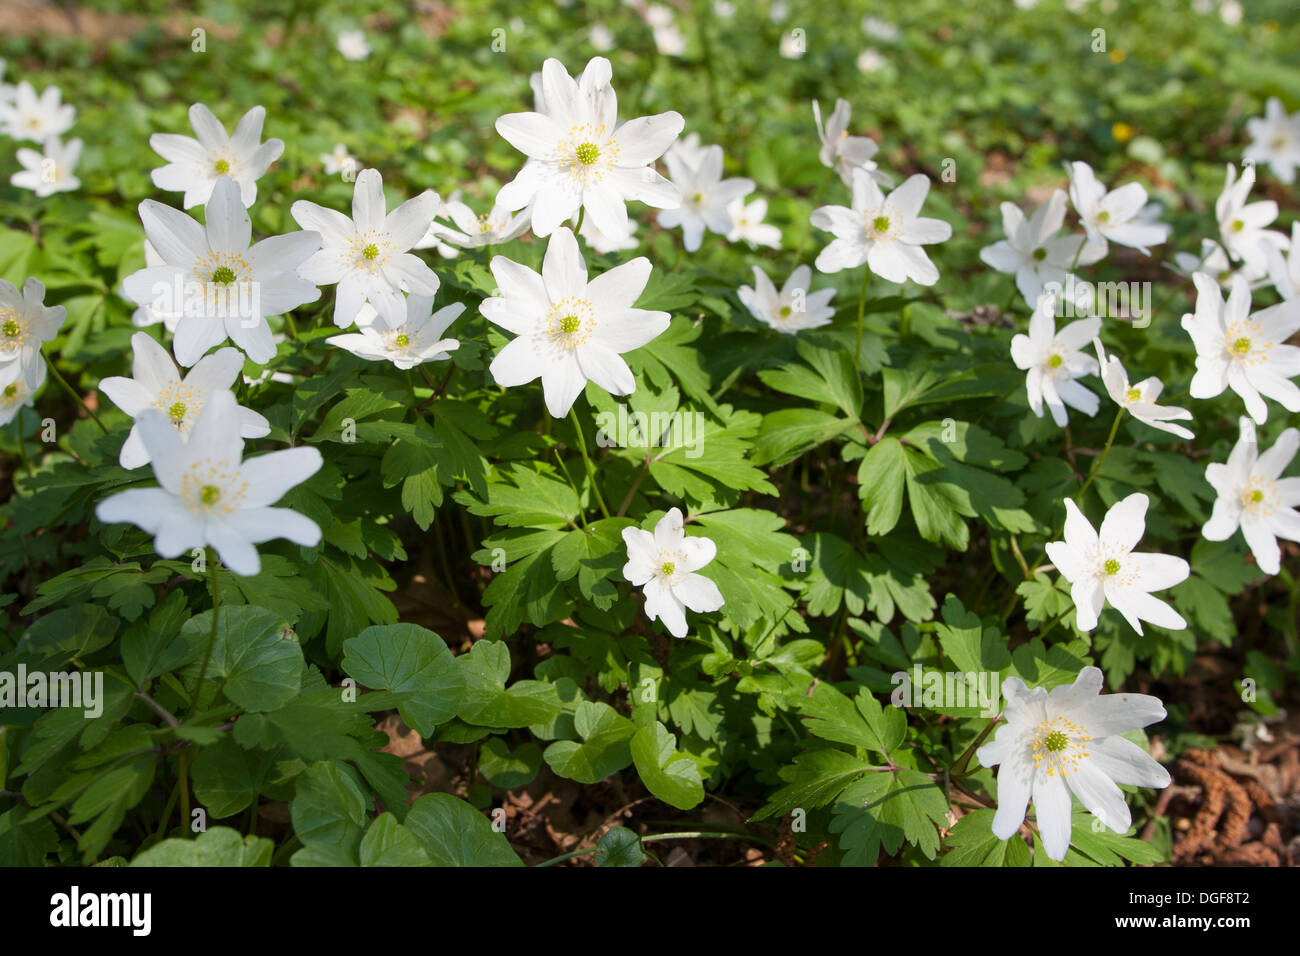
point(688, 149)
point(489, 229)
point(1241, 351)
point(1284, 271)
point(49, 172)
point(579, 155)
point(1230, 12)
point(1033, 251)
point(1140, 399)
point(601, 244)
point(155, 384)
point(792, 45)
point(216, 282)
point(208, 497)
point(1054, 360)
point(1103, 567)
point(842, 152)
point(1253, 496)
point(368, 255)
point(339, 161)
point(748, 226)
point(792, 309)
point(26, 323)
point(878, 29)
point(194, 165)
point(869, 60)
point(705, 197)
point(1275, 139)
point(1241, 224)
point(1113, 215)
point(145, 313)
point(1212, 260)
point(417, 340)
point(1065, 741)
point(15, 390)
point(352, 44)
point(885, 232)
point(35, 118)
point(600, 37)
point(664, 564)
point(569, 330)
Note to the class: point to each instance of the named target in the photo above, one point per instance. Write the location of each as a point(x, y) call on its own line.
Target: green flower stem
point(58, 377)
point(959, 768)
point(22, 444)
point(862, 311)
point(591, 469)
point(212, 635)
point(1097, 462)
point(1083, 241)
point(183, 785)
point(1092, 473)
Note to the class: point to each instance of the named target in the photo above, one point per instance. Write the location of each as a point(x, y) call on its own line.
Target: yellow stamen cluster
point(13, 331)
point(1059, 745)
point(570, 322)
point(369, 250)
point(212, 487)
point(587, 153)
point(180, 402)
point(1259, 497)
point(1245, 343)
point(883, 224)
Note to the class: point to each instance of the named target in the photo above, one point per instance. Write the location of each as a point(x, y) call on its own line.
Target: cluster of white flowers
point(43, 118)
point(208, 283)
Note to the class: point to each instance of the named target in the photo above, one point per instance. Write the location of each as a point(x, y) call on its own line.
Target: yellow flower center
point(223, 275)
point(177, 411)
point(1241, 346)
point(785, 312)
point(570, 322)
point(1040, 254)
point(587, 153)
point(880, 224)
point(1103, 216)
point(403, 340)
point(1059, 744)
point(1238, 225)
point(209, 494)
point(221, 166)
point(11, 391)
point(1055, 361)
point(371, 251)
point(667, 569)
point(1255, 496)
point(1111, 566)
point(1133, 394)
point(10, 329)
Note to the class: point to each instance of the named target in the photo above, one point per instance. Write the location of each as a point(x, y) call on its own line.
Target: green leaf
point(619, 847)
point(219, 846)
point(670, 776)
point(413, 663)
point(452, 833)
point(486, 700)
point(604, 748)
point(861, 722)
point(256, 656)
point(329, 806)
point(388, 843)
point(506, 768)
